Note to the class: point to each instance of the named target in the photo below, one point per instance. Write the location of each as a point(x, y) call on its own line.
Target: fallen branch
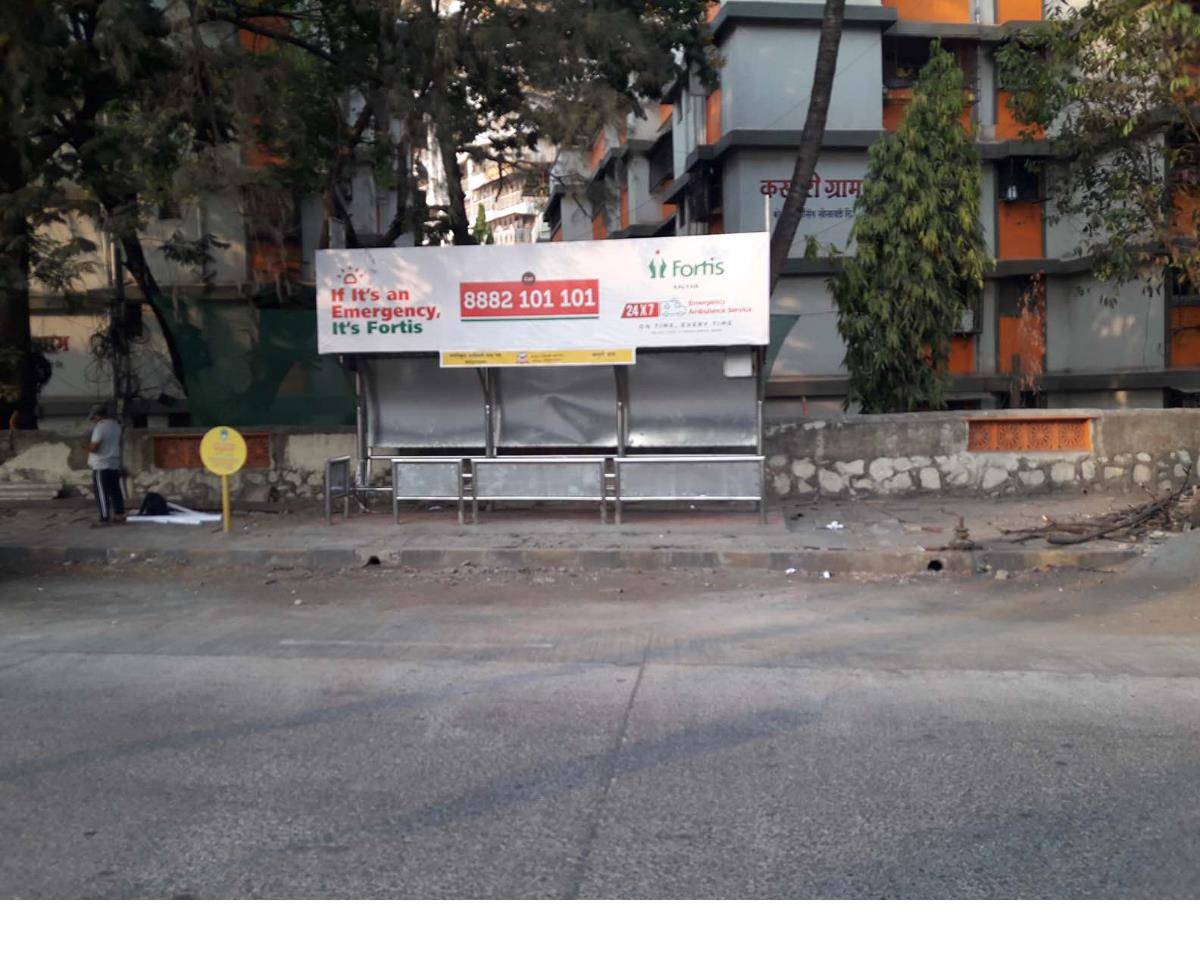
point(1129, 523)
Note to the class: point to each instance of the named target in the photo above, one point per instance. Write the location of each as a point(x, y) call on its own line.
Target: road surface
point(167, 732)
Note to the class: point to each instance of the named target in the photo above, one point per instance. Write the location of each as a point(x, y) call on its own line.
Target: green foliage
point(1115, 83)
point(89, 101)
point(343, 83)
point(480, 230)
point(918, 251)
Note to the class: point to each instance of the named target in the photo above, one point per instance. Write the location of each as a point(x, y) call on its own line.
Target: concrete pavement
point(881, 537)
point(713, 733)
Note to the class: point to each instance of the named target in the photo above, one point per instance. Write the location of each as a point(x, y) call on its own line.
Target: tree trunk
point(16, 340)
point(460, 226)
point(139, 268)
point(810, 144)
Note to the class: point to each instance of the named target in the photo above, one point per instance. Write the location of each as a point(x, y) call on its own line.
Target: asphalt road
point(169, 733)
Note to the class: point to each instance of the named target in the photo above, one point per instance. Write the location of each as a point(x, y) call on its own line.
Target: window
point(1019, 179)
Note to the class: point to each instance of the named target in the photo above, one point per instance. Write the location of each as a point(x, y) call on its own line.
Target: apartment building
point(718, 159)
point(512, 196)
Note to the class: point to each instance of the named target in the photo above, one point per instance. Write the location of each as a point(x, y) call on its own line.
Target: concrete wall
point(985, 345)
point(869, 455)
point(1083, 333)
point(643, 208)
point(767, 78)
point(827, 219)
point(576, 220)
point(813, 346)
point(850, 456)
point(297, 468)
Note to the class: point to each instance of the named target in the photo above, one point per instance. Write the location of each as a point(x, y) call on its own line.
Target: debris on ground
point(1168, 512)
point(961, 541)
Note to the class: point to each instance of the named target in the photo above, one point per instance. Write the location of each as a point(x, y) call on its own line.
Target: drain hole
point(935, 565)
point(374, 560)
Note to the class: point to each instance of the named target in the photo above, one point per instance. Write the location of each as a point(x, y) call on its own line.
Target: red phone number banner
point(546, 300)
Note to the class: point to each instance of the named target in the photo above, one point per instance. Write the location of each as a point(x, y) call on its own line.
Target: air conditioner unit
point(969, 324)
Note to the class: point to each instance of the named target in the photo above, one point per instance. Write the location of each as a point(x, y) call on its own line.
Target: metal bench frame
point(620, 498)
point(334, 488)
point(601, 463)
point(458, 498)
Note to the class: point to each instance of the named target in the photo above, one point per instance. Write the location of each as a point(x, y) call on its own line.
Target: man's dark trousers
point(110, 500)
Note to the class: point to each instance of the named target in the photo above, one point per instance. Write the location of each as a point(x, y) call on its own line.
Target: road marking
point(414, 643)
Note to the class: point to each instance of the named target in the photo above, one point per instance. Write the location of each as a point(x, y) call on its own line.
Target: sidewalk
point(882, 537)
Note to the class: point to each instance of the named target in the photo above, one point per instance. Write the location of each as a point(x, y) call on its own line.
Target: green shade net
point(250, 366)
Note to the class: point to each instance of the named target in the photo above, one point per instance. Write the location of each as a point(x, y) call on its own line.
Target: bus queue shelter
point(612, 372)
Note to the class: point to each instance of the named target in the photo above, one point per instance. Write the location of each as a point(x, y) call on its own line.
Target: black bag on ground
point(154, 505)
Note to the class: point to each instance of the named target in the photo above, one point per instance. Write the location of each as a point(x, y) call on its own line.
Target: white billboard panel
point(497, 303)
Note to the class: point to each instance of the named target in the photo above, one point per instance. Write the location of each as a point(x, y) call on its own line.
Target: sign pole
point(223, 452)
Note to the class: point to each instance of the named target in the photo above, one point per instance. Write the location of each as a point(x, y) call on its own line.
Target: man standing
point(104, 457)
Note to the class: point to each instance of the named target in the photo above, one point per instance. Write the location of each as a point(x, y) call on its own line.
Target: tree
point(481, 231)
point(810, 142)
point(919, 256)
point(376, 80)
point(97, 111)
point(1114, 84)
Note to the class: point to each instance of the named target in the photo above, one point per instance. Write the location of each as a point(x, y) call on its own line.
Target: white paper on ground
point(181, 515)
point(194, 520)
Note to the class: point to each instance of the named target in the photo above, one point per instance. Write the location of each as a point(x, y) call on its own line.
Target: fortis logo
point(684, 270)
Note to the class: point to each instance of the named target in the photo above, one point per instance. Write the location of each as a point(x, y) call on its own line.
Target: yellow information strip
point(536, 358)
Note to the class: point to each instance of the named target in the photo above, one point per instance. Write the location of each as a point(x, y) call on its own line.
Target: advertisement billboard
point(562, 303)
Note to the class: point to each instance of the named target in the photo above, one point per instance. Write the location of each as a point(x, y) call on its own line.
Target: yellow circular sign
point(223, 450)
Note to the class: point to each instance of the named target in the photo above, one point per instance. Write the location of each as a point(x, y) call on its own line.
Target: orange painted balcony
point(668, 211)
point(624, 207)
point(256, 43)
point(962, 354)
point(1019, 232)
point(599, 147)
point(665, 109)
point(258, 156)
point(1022, 339)
point(896, 102)
point(932, 11)
point(557, 234)
point(1185, 212)
point(269, 260)
point(1008, 127)
point(1007, 10)
point(1185, 336)
point(599, 228)
point(712, 117)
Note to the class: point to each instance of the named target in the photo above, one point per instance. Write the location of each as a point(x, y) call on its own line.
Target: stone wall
point(296, 471)
point(875, 455)
point(847, 457)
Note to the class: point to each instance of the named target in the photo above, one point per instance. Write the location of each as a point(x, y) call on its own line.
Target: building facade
point(513, 196)
point(718, 159)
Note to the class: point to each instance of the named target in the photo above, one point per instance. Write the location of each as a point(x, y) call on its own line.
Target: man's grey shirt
point(107, 437)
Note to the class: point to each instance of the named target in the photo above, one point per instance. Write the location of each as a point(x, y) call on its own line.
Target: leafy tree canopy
point(919, 253)
point(1114, 85)
point(346, 81)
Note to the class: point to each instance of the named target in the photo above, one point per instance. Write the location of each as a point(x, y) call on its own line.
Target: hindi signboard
point(530, 305)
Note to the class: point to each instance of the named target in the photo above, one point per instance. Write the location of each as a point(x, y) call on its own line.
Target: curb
point(896, 563)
